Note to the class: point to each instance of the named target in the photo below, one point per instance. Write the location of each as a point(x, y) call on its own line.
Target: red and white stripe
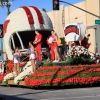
point(5, 26)
point(34, 16)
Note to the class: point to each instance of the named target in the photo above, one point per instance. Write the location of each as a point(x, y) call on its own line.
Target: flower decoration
point(78, 51)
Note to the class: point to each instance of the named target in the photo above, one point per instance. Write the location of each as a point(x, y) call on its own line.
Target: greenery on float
point(83, 73)
point(71, 61)
point(79, 60)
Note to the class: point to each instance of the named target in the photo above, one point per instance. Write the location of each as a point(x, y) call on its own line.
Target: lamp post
point(8, 7)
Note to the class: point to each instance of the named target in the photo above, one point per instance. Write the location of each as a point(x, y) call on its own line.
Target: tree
point(43, 9)
point(6, 3)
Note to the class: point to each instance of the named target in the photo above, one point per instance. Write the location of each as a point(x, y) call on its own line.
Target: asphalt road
point(16, 93)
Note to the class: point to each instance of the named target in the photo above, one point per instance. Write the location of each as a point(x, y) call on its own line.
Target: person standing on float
point(50, 43)
point(38, 42)
point(16, 57)
point(55, 46)
point(84, 42)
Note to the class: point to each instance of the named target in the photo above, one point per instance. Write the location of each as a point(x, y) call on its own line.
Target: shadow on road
point(6, 97)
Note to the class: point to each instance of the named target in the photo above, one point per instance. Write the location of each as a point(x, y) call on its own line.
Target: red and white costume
point(55, 45)
point(38, 46)
point(51, 45)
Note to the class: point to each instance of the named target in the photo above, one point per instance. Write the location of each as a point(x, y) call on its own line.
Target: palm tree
point(6, 3)
point(43, 9)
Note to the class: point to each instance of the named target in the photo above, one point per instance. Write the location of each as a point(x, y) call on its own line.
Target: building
point(71, 14)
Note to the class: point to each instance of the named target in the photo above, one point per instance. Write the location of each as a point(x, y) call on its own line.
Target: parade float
point(79, 68)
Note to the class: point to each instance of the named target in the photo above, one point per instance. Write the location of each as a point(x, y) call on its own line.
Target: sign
point(97, 21)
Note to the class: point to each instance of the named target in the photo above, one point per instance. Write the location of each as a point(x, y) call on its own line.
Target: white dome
point(24, 19)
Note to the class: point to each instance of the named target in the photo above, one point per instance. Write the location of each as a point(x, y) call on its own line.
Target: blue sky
point(47, 4)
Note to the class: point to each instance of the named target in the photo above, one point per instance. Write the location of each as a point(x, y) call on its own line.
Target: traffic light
point(55, 4)
point(1, 30)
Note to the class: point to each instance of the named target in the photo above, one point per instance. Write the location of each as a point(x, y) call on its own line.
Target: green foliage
point(59, 64)
point(48, 64)
point(73, 73)
point(79, 60)
point(71, 61)
point(56, 64)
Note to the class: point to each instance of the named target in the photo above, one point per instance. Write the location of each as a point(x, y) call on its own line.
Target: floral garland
point(57, 67)
point(26, 66)
point(27, 69)
point(80, 75)
point(10, 74)
point(77, 51)
point(37, 82)
point(66, 72)
point(22, 75)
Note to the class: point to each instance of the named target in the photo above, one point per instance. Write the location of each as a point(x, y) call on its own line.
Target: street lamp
point(8, 7)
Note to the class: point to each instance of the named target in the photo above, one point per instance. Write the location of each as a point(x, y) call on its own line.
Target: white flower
point(9, 76)
point(27, 65)
point(91, 57)
point(25, 71)
point(98, 61)
point(94, 58)
point(23, 74)
point(79, 50)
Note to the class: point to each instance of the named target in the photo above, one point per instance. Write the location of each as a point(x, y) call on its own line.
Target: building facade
point(71, 14)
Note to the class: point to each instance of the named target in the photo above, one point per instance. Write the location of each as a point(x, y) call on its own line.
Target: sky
point(47, 4)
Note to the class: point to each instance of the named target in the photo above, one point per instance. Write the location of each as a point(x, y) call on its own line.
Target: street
point(17, 93)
